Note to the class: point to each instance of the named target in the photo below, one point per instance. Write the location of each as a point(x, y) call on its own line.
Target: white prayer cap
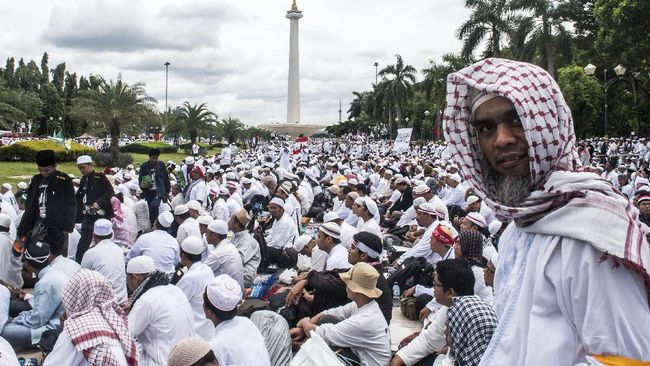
point(140, 265)
point(165, 219)
point(223, 191)
point(330, 216)
point(181, 209)
point(6, 186)
point(193, 205)
point(127, 175)
point(489, 251)
point(418, 201)
point(477, 219)
point(192, 245)
point(353, 182)
point(103, 227)
point(224, 293)
point(219, 227)
point(22, 185)
point(472, 199)
point(84, 159)
point(427, 208)
point(347, 237)
point(402, 180)
point(214, 190)
point(246, 181)
point(332, 229)
point(130, 166)
point(189, 160)
point(5, 220)
point(333, 189)
point(371, 205)
point(204, 219)
point(421, 189)
point(188, 352)
point(278, 202)
point(301, 242)
point(494, 227)
point(455, 177)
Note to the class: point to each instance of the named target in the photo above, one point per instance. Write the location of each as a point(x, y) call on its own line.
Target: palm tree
point(114, 107)
point(196, 118)
point(231, 129)
point(490, 20)
point(356, 106)
point(396, 88)
point(542, 22)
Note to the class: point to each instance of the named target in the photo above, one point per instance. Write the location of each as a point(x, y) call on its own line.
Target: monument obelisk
point(293, 90)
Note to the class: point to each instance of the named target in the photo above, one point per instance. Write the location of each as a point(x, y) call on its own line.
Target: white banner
point(403, 138)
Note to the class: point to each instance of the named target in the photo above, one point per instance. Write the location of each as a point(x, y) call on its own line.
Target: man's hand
point(409, 292)
point(396, 264)
point(295, 293)
point(424, 313)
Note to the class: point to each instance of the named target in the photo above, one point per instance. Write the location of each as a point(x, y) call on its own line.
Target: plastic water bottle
point(396, 294)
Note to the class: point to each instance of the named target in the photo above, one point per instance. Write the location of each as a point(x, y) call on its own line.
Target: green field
point(14, 172)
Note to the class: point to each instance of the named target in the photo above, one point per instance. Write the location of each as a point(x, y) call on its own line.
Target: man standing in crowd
point(93, 202)
point(50, 203)
point(154, 182)
point(511, 132)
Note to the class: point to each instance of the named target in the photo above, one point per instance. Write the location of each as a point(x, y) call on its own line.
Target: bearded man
point(562, 295)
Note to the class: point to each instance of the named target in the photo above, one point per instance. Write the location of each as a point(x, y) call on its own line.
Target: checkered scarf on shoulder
point(561, 194)
point(471, 322)
point(95, 320)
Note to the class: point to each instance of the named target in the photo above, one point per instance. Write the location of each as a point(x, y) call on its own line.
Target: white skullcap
point(421, 189)
point(188, 352)
point(5, 220)
point(477, 219)
point(103, 227)
point(204, 219)
point(224, 293)
point(353, 182)
point(347, 236)
point(278, 202)
point(192, 245)
point(427, 208)
point(370, 204)
point(127, 175)
point(193, 205)
point(246, 181)
point(472, 199)
point(301, 242)
point(494, 227)
point(330, 216)
point(189, 160)
point(6, 186)
point(84, 159)
point(140, 265)
point(418, 201)
point(22, 185)
point(219, 227)
point(165, 219)
point(332, 229)
point(181, 209)
point(455, 177)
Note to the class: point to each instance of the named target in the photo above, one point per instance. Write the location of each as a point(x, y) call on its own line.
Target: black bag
point(48, 339)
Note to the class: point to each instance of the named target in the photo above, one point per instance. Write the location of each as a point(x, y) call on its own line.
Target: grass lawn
point(14, 172)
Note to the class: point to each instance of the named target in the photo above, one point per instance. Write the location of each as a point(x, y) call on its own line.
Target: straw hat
point(362, 279)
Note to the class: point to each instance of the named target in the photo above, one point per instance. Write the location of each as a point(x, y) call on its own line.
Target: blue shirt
point(48, 307)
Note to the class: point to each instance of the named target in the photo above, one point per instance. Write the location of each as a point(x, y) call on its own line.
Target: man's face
point(501, 137)
point(441, 296)
point(322, 241)
point(195, 175)
point(46, 170)
point(275, 211)
point(153, 158)
point(349, 202)
point(132, 281)
point(423, 219)
point(354, 254)
point(3, 190)
point(402, 187)
point(644, 207)
point(466, 225)
point(85, 169)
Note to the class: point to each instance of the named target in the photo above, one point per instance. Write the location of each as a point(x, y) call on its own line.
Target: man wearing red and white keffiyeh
point(561, 295)
point(96, 329)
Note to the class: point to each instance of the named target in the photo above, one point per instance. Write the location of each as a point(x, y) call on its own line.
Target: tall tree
point(584, 95)
point(114, 107)
point(397, 87)
point(58, 77)
point(9, 73)
point(45, 69)
point(196, 118)
point(490, 21)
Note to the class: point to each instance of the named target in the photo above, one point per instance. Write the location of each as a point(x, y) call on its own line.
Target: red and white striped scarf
point(95, 321)
point(562, 195)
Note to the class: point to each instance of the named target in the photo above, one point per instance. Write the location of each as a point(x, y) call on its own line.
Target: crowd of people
point(512, 243)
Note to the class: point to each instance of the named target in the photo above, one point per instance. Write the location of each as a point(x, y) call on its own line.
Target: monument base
point(293, 129)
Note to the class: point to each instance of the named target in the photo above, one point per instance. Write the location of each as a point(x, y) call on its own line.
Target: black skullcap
point(45, 158)
point(37, 251)
point(154, 152)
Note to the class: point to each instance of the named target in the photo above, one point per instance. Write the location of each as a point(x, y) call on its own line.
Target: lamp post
point(62, 126)
point(48, 125)
point(426, 119)
point(620, 72)
point(166, 84)
point(376, 71)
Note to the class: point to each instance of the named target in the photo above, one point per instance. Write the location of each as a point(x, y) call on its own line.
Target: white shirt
point(65, 353)
point(588, 306)
point(106, 258)
point(193, 285)
point(454, 196)
point(7, 355)
point(225, 259)
point(422, 248)
point(159, 319)
point(141, 211)
point(161, 247)
point(431, 339)
point(73, 241)
point(220, 210)
point(233, 206)
point(363, 330)
point(10, 265)
point(282, 233)
point(5, 300)
point(370, 226)
point(65, 265)
point(189, 227)
point(199, 192)
point(238, 342)
point(337, 258)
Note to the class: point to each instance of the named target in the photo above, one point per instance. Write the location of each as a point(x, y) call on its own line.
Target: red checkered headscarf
point(95, 320)
point(560, 193)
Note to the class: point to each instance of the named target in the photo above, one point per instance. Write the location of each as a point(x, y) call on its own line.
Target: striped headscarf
point(95, 320)
point(560, 193)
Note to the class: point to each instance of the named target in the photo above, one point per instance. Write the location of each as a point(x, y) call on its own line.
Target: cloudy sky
point(234, 54)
